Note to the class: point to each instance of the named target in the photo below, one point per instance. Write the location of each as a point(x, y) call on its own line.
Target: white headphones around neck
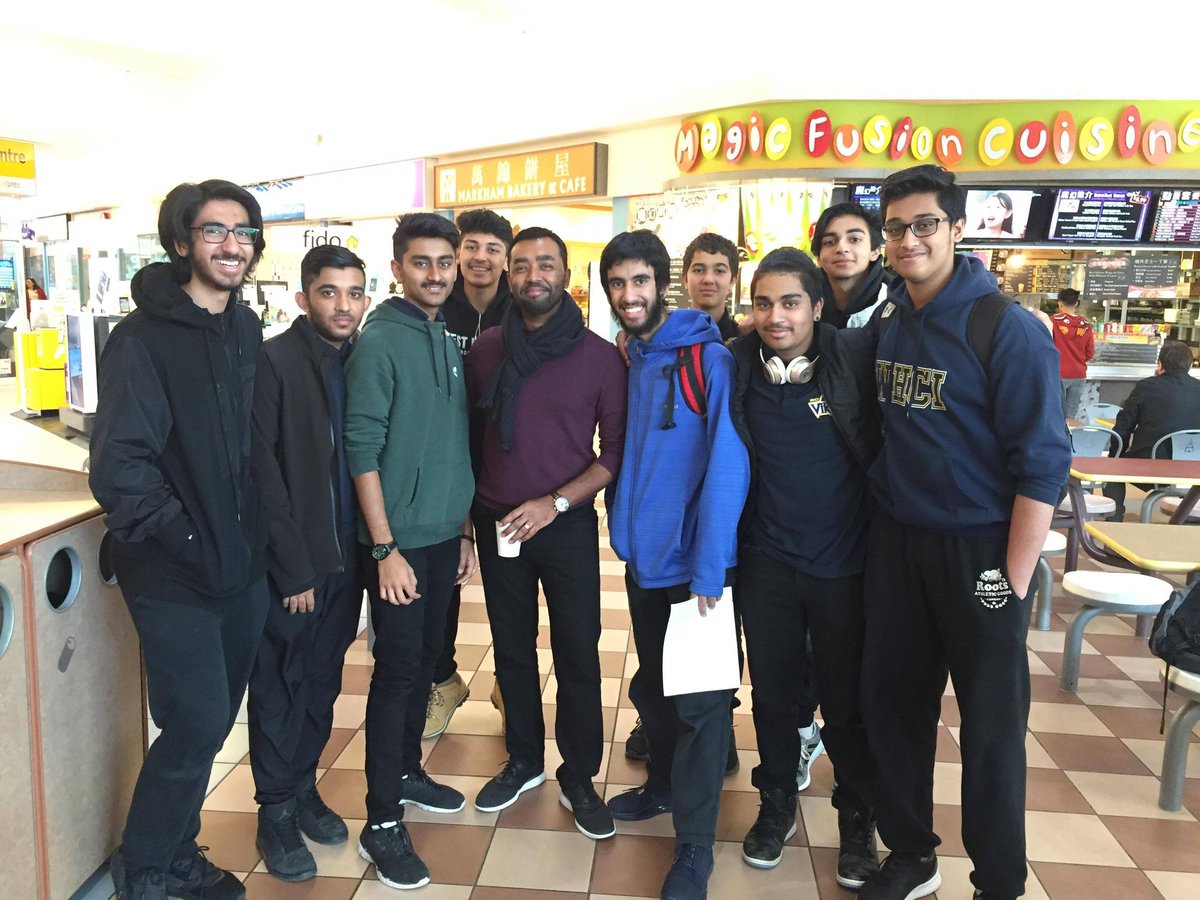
point(799, 371)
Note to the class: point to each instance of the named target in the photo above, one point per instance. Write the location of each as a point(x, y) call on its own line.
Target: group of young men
point(853, 473)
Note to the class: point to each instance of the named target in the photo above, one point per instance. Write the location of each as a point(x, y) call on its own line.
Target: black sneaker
point(420, 790)
point(858, 856)
point(318, 822)
point(283, 850)
point(639, 803)
point(636, 745)
point(776, 822)
point(903, 876)
point(591, 815)
point(390, 848)
point(503, 790)
point(195, 878)
point(732, 763)
point(142, 886)
point(688, 877)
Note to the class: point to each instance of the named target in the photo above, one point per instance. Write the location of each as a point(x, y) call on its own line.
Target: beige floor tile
point(1036, 756)
point(1052, 642)
point(631, 665)
point(236, 746)
point(1072, 838)
point(749, 759)
point(1065, 718)
point(359, 656)
point(372, 889)
point(473, 593)
point(354, 756)
point(474, 633)
point(947, 783)
point(546, 860)
point(350, 711)
point(235, 793)
point(1110, 625)
point(614, 600)
point(1124, 795)
point(1176, 885)
point(731, 877)
point(613, 639)
point(242, 716)
point(608, 567)
point(1037, 667)
point(1113, 692)
point(475, 717)
point(820, 821)
point(1139, 668)
point(217, 775)
point(1151, 753)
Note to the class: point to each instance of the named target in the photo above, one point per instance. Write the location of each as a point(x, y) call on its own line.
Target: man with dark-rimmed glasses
point(171, 467)
point(974, 455)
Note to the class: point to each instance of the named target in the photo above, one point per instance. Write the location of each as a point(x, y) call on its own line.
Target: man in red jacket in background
point(1073, 338)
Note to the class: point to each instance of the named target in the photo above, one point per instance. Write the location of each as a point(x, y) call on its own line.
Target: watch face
point(562, 504)
point(380, 552)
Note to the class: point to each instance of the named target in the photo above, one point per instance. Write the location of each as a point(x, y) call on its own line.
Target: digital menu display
point(866, 195)
point(1177, 220)
point(1099, 214)
point(999, 215)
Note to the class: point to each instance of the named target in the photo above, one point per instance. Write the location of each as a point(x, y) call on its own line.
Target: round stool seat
point(1170, 504)
point(1094, 505)
point(1125, 589)
point(1056, 543)
point(1184, 683)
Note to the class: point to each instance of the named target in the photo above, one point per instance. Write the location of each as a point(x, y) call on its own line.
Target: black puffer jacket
point(170, 452)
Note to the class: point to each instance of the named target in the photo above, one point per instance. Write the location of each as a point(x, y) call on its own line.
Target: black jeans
point(296, 678)
point(447, 665)
point(688, 733)
point(938, 604)
point(565, 557)
point(197, 664)
point(781, 609)
point(408, 639)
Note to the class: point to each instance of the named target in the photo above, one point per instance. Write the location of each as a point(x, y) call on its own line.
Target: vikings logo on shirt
point(991, 588)
point(818, 406)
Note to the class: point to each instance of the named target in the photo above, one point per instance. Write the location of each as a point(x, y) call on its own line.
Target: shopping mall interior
point(340, 119)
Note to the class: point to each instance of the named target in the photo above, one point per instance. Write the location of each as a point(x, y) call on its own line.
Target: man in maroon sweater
point(546, 383)
point(1073, 339)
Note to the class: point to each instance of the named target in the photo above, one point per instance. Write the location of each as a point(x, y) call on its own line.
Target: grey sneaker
point(809, 750)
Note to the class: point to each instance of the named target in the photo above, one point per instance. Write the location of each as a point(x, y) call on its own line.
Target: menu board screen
point(866, 195)
point(1098, 214)
point(1177, 220)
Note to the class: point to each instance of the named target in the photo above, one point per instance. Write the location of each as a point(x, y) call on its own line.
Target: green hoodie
point(406, 416)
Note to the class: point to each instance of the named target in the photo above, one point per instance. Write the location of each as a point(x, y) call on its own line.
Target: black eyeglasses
point(216, 234)
point(920, 228)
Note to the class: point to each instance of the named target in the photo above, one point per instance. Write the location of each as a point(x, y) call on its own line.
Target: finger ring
point(526, 526)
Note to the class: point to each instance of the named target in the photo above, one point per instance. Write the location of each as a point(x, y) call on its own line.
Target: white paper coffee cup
point(503, 546)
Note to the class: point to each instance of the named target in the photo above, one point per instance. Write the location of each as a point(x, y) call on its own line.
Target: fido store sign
point(1045, 135)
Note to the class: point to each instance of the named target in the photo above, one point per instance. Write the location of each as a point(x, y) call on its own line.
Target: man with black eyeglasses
point(974, 455)
point(171, 467)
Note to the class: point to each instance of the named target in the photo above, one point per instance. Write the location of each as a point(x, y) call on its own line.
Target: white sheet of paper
point(700, 653)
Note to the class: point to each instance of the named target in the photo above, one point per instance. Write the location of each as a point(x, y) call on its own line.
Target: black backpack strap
point(982, 324)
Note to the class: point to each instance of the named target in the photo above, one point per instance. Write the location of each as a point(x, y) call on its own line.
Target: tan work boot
point(444, 699)
point(498, 702)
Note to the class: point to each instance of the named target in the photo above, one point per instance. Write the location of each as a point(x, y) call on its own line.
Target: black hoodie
point(170, 452)
point(876, 286)
point(464, 323)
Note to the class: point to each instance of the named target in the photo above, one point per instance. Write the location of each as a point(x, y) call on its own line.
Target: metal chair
point(1094, 411)
point(1185, 444)
point(1179, 734)
point(1086, 440)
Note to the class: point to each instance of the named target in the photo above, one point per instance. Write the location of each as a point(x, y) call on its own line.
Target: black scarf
point(524, 351)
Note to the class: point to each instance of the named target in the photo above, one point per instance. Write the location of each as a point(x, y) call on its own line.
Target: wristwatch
point(561, 503)
point(380, 551)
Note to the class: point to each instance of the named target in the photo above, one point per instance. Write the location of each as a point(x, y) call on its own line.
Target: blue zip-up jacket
point(674, 513)
point(960, 443)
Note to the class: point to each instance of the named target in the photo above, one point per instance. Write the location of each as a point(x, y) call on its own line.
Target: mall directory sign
point(990, 136)
point(18, 171)
point(542, 175)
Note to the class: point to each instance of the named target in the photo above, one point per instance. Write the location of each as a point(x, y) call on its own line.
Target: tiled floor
point(1094, 827)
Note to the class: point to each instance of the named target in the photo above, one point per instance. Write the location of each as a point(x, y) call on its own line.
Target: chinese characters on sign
point(579, 171)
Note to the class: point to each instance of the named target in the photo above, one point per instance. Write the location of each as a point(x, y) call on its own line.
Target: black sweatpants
point(296, 678)
point(197, 664)
point(939, 603)
point(408, 639)
point(781, 608)
point(688, 733)
point(565, 557)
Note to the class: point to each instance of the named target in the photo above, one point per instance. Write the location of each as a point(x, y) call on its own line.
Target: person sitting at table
point(1167, 401)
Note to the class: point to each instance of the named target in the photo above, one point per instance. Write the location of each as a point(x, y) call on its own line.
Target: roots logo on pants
point(991, 587)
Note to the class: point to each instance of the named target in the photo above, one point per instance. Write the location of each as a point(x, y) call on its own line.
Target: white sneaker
point(810, 749)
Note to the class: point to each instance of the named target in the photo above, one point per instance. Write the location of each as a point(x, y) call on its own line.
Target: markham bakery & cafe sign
point(990, 136)
point(547, 175)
